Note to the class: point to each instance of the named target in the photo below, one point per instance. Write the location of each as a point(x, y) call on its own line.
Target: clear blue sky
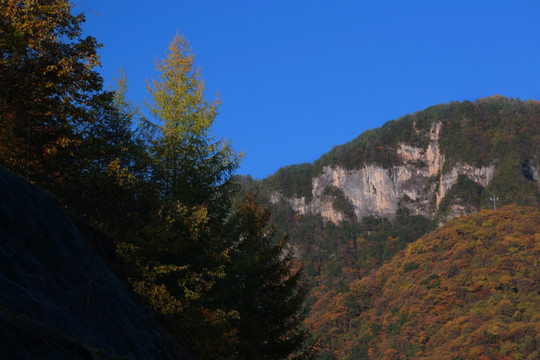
point(297, 77)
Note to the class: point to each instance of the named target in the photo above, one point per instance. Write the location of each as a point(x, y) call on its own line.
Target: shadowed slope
point(44, 273)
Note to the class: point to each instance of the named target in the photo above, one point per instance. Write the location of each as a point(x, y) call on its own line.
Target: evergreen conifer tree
point(264, 281)
point(185, 248)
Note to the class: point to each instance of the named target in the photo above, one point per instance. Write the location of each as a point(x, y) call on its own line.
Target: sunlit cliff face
point(418, 183)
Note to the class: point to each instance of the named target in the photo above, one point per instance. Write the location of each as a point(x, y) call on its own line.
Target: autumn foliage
point(469, 290)
point(49, 85)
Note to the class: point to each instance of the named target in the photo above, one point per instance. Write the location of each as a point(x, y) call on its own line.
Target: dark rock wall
point(45, 264)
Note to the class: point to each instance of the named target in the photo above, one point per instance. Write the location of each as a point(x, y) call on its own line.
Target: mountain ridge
point(414, 162)
point(451, 160)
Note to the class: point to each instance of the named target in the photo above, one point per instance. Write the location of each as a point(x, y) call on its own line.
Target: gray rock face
point(45, 269)
point(418, 183)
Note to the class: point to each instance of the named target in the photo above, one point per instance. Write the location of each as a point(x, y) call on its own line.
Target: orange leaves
point(505, 307)
point(158, 298)
point(476, 352)
point(48, 84)
point(121, 175)
point(470, 292)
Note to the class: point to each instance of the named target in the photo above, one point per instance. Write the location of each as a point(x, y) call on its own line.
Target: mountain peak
point(441, 162)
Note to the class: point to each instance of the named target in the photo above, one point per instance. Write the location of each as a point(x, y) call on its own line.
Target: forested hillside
point(439, 163)
point(469, 290)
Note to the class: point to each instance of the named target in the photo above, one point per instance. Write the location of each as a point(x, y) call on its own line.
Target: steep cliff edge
point(423, 163)
point(58, 298)
point(417, 184)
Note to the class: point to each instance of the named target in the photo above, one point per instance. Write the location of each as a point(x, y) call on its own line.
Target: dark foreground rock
point(45, 267)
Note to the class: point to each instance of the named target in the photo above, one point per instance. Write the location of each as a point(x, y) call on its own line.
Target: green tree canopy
point(190, 165)
point(264, 282)
point(184, 249)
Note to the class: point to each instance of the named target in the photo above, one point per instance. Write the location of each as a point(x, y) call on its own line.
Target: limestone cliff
point(418, 183)
point(440, 162)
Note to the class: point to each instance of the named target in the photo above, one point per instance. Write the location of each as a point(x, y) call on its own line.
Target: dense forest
point(203, 262)
point(469, 290)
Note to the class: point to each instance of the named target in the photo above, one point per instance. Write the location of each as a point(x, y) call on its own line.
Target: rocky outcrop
point(58, 298)
point(418, 183)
